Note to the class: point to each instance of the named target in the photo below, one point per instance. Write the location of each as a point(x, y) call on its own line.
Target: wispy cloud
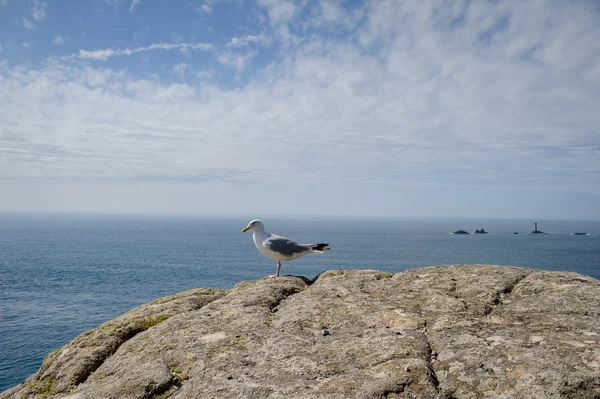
point(27, 44)
point(249, 39)
point(25, 23)
point(236, 60)
point(39, 10)
point(181, 69)
point(206, 7)
point(3, 2)
point(114, 4)
point(58, 40)
point(133, 4)
point(104, 54)
point(205, 74)
point(280, 11)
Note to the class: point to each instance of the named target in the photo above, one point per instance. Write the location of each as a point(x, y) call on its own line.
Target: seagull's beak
point(245, 229)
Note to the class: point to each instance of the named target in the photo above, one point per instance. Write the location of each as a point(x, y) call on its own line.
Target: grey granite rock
point(464, 331)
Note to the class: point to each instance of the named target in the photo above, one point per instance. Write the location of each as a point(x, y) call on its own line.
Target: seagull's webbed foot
point(278, 269)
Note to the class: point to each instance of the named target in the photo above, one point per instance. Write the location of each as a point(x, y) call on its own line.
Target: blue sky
point(270, 107)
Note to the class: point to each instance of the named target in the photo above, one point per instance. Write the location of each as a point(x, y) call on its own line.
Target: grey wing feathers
point(285, 246)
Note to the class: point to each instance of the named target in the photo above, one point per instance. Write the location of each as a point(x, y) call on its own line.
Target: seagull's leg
point(278, 269)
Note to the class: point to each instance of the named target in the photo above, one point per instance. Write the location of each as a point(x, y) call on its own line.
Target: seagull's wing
point(285, 246)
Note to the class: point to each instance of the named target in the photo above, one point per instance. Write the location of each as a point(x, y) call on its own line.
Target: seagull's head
point(254, 225)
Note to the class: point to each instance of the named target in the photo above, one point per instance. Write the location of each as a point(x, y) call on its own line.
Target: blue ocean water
point(62, 275)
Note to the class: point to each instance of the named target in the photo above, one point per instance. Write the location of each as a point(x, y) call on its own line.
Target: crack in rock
point(393, 392)
point(164, 392)
point(288, 293)
point(431, 354)
point(433, 378)
point(501, 295)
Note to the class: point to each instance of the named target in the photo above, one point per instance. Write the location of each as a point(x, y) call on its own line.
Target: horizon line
point(234, 215)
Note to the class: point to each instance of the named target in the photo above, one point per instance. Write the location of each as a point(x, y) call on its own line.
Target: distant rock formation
point(482, 231)
point(515, 232)
point(460, 232)
point(581, 234)
point(464, 331)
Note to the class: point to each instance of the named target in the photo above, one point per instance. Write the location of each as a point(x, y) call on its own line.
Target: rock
point(581, 234)
point(515, 232)
point(461, 232)
point(482, 231)
point(464, 331)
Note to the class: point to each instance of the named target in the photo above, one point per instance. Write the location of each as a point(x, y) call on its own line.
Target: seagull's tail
point(319, 248)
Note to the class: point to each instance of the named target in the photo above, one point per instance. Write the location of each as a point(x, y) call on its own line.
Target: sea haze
point(62, 275)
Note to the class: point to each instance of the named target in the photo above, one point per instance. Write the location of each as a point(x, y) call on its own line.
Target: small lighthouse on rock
point(535, 229)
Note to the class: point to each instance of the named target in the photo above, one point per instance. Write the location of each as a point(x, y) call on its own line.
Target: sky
point(483, 108)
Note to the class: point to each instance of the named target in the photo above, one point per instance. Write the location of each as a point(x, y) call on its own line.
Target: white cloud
point(3, 2)
point(133, 4)
point(236, 60)
point(181, 69)
point(104, 54)
point(331, 11)
point(206, 7)
point(26, 44)
point(25, 23)
point(280, 11)
point(205, 74)
point(101, 55)
point(412, 97)
point(242, 41)
point(335, 15)
point(39, 10)
point(58, 40)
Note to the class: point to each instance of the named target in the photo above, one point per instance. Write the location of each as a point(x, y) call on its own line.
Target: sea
point(61, 275)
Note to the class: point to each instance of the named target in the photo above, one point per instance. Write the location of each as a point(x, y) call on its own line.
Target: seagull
point(280, 248)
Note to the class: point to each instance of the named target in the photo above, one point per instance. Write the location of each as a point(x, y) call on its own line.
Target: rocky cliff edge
point(462, 331)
